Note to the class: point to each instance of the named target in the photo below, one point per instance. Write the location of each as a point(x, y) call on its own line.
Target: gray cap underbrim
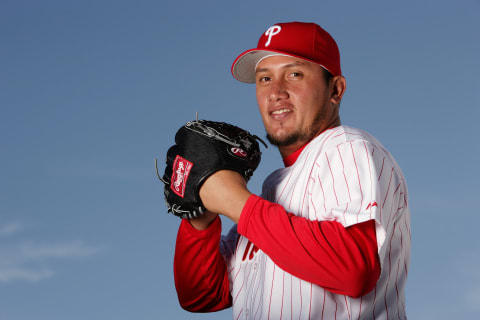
point(244, 67)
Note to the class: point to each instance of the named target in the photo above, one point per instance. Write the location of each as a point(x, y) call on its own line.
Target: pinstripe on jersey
point(343, 175)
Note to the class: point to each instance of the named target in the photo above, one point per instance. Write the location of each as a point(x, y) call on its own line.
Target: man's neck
point(285, 151)
point(288, 150)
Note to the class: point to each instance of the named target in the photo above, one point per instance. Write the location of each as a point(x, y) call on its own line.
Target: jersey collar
point(291, 158)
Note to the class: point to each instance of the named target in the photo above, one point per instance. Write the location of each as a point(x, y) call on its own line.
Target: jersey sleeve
point(200, 270)
point(357, 181)
point(341, 260)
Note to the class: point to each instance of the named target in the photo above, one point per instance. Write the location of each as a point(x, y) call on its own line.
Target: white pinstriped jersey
point(344, 175)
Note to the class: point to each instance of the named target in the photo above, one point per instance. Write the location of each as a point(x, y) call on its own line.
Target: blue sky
point(92, 91)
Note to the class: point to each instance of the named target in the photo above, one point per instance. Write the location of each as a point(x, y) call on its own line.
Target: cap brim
point(243, 68)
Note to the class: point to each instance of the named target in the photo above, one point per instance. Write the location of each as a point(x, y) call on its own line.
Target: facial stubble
point(300, 135)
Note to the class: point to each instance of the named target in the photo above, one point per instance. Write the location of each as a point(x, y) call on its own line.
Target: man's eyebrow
point(293, 64)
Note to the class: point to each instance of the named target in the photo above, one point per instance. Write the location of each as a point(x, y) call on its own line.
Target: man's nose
point(278, 91)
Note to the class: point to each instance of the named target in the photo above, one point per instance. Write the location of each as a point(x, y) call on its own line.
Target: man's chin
point(285, 140)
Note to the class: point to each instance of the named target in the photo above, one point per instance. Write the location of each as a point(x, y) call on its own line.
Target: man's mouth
point(281, 111)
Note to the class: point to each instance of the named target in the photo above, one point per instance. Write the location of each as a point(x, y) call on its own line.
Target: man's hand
point(225, 192)
point(201, 149)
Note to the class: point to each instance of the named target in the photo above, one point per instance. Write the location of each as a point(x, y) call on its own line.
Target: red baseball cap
point(303, 40)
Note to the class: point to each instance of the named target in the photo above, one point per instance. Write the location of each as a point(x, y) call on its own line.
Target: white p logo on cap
point(273, 30)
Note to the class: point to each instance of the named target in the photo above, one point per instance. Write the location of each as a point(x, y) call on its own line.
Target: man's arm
point(200, 270)
point(342, 260)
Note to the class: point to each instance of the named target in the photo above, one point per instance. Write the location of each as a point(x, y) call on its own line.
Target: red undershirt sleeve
point(342, 260)
point(200, 270)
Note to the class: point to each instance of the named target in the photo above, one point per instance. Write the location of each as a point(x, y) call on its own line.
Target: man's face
point(294, 100)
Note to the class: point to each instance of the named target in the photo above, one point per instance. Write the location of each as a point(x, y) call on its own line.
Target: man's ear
point(338, 85)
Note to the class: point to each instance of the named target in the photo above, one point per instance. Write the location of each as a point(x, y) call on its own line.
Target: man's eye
point(264, 79)
point(296, 74)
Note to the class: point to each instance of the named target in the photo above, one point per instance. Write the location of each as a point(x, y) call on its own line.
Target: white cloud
point(31, 261)
point(473, 298)
point(10, 228)
point(74, 249)
point(20, 273)
point(469, 264)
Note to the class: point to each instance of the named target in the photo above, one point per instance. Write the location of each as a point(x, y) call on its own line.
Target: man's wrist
point(204, 221)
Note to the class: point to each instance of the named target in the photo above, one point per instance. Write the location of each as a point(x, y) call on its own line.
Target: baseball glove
point(203, 148)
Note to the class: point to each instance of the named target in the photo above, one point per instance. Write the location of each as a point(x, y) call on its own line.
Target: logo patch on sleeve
point(181, 171)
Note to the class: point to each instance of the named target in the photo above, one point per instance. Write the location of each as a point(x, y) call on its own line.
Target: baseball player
point(329, 236)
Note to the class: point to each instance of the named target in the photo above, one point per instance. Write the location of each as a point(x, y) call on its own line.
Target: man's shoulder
point(341, 135)
point(344, 138)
